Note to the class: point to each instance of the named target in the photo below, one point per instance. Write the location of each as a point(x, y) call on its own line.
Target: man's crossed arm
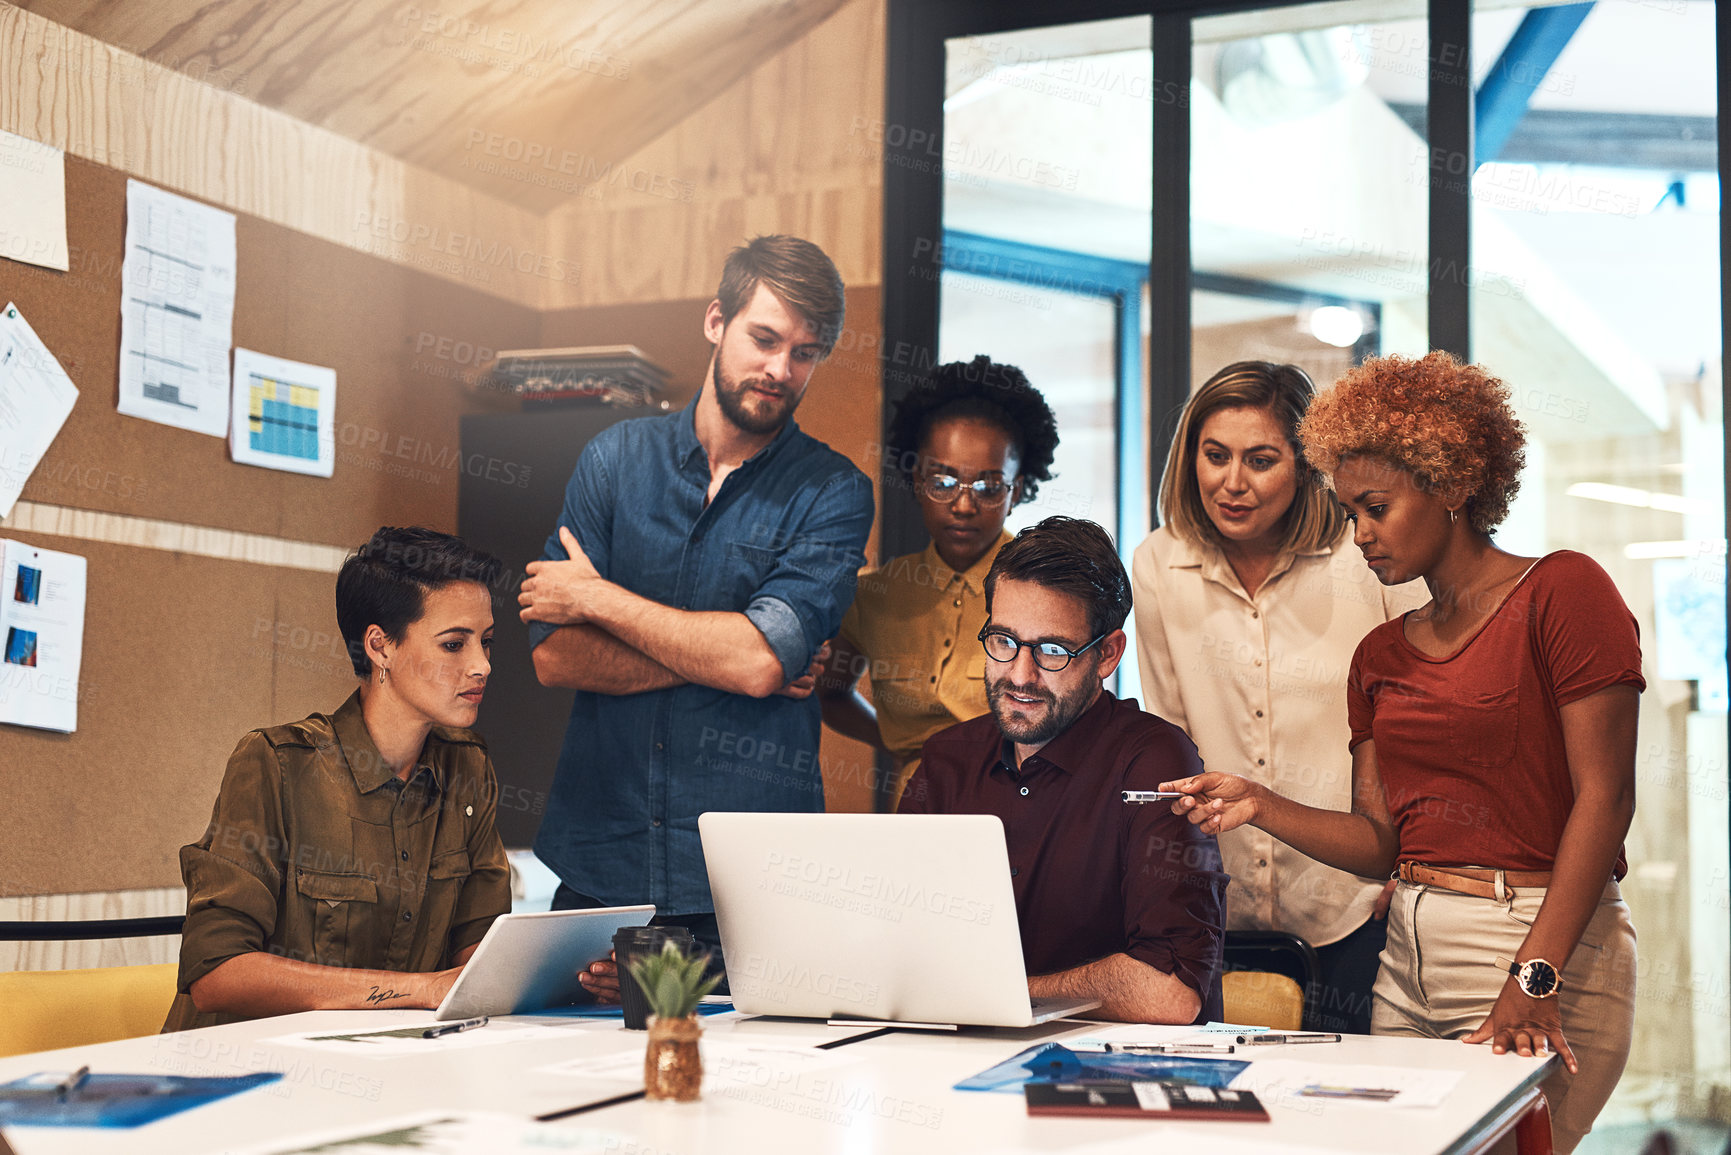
point(613, 641)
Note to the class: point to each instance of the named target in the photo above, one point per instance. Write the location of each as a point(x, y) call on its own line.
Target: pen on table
point(1170, 1048)
point(452, 1028)
point(1292, 1037)
point(70, 1084)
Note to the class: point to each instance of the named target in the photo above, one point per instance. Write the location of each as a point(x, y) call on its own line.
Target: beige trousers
point(1439, 979)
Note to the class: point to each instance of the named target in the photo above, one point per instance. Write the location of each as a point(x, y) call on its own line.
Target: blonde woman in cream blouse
point(1250, 600)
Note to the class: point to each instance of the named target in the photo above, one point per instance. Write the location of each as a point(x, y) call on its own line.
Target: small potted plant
point(673, 984)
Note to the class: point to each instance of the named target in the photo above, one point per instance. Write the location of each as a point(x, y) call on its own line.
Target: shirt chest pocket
point(1484, 726)
point(343, 906)
point(449, 867)
point(905, 684)
point(447, 874)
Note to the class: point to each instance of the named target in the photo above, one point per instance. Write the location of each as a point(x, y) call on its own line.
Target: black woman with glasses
point(973, 441)
point(1115, 902)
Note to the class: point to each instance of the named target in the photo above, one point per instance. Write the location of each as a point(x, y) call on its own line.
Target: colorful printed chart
point(283, 418)
point(284, 414)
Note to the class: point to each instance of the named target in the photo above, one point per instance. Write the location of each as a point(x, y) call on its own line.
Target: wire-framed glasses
point(945, 488)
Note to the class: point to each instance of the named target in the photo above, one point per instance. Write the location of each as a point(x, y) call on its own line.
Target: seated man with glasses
point(972, 441)
point(1115, 900)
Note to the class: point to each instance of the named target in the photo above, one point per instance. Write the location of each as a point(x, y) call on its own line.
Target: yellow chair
point(44, 1010)
point(1263, 998)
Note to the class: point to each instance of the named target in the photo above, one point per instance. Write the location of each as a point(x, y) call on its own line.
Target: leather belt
point(1476, 881)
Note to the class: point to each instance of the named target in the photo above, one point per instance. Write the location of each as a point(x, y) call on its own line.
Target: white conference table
point(884, 1093)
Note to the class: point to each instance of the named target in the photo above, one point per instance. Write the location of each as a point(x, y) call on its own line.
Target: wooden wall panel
point(791, 148)
point(114, 108)
point(588, 80)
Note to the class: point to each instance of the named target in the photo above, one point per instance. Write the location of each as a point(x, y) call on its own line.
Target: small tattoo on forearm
point(379, 996)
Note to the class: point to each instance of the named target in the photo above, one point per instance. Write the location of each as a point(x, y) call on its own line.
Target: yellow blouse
point(914, 621)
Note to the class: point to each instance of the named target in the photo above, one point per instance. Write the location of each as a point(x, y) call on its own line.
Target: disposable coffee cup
point(634, 942)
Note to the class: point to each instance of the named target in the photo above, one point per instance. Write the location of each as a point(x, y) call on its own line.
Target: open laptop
point(871, 917)
point(528, 962)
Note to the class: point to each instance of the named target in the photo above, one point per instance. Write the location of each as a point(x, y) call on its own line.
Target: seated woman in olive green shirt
point(973, 442)
point(351, 859)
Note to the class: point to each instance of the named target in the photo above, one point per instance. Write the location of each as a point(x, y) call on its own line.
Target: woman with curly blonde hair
point(1493, 741)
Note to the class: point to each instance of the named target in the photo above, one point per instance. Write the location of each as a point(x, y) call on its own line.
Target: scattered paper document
point(450, 1133)
point(32, 202)
point(36, 397)
point(1288, 1080)
point(42, 635)
point(387, 1042)
point(285, 414)
point(176, 310)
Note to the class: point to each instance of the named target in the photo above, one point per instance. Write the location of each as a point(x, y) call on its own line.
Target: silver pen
point(452, 1028)
point(70, 1084)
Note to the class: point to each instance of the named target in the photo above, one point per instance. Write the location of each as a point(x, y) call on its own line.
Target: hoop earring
point(1451, 522)
point(381, 675)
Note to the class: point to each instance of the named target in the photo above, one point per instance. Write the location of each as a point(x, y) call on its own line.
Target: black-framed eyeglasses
point(1049, 656)
point(944, 488)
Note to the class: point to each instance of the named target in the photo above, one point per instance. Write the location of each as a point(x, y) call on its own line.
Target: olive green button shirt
point(316, 851)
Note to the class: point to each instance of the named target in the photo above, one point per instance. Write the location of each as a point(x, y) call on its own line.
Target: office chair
point(1268, 977)
point(45, 1010)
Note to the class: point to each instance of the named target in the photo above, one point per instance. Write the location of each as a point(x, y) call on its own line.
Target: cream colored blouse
point(1260, 685)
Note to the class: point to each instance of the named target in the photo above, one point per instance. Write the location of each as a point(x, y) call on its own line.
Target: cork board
point(397, 339)
point(184, 654)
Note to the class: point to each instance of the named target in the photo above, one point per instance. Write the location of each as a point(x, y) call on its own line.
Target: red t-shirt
point(1470, 747)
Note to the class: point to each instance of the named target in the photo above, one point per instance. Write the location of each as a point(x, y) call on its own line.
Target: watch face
point(1538, 978)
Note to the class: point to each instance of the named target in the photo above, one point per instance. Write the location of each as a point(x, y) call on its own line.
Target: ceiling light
point(1337, 325)
point(1700, 548)
point(1629, 495)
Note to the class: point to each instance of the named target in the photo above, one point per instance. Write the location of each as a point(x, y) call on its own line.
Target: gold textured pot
point(672, 1066)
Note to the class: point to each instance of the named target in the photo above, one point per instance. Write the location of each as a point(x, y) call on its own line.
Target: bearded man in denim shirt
point(701, 561)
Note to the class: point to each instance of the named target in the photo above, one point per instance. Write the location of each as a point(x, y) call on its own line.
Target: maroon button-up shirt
point(1093, 875)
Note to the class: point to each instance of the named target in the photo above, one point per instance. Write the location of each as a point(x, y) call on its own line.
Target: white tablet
point(528, 962)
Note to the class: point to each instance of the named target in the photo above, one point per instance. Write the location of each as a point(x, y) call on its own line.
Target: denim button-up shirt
point(782, 543)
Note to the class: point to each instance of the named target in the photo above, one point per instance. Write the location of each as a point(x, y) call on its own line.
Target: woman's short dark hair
point(800, 274)
point(385, 582)
point(983, 389)
point(1074, 557)
point(1313, 521)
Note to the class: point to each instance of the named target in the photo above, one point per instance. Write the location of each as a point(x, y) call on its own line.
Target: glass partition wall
point(1132, 198)
point(1595, 249)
